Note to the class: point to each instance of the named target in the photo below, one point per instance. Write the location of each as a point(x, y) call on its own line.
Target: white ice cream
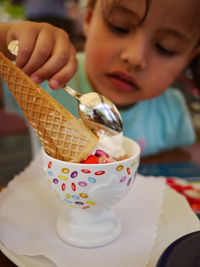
point(111, 144)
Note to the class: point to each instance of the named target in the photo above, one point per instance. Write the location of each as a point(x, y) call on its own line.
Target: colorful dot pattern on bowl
point(73, 187)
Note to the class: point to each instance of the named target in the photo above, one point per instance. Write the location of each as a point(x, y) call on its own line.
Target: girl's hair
point(195, 69)
point(93, 2)
point(194, 65)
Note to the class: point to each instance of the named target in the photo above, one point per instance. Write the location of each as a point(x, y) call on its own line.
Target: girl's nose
point(135, 52)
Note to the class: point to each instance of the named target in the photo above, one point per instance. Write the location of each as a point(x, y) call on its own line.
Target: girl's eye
point(120, 29)
point(117, 28)
point(165, 51)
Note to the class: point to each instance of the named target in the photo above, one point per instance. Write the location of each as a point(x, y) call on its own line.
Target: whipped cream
point(111, 144)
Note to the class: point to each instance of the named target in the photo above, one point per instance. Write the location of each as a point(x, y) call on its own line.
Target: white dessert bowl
point(91, 190)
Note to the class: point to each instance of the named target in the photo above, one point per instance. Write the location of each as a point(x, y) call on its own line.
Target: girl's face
point(129, 62)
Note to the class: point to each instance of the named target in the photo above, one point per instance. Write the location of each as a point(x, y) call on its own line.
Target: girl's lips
point(123, 82)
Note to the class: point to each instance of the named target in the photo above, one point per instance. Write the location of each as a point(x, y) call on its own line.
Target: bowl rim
point(136, 155)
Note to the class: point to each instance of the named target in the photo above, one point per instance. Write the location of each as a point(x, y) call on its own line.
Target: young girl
point(134, 51)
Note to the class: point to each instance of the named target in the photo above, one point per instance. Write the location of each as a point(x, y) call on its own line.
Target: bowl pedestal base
point(88, 229)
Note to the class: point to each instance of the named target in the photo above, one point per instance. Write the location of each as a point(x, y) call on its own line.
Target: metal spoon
point(97, 111)
point(94, 109)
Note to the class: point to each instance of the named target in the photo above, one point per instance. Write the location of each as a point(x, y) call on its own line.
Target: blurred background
point(15, 146)
point(66, 14)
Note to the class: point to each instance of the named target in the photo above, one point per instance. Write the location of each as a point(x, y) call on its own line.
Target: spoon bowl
point(97, 112)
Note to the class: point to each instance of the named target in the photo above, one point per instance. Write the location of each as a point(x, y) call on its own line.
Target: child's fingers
point(44, 49)
point(27, 36)
point(38, 57)
point(26, 47)
point(45, 52)
point(62, 55)
point(61, 77)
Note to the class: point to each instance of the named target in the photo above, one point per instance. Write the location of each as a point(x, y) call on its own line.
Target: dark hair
point(194, 65)
point(195, 69)
point(93, 2)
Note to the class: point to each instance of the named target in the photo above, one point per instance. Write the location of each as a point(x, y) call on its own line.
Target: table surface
point(186, 154)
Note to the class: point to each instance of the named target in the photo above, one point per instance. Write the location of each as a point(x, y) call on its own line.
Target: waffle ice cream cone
point(63, 136)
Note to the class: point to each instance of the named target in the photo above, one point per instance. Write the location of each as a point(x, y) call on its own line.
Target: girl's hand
point(45, 52)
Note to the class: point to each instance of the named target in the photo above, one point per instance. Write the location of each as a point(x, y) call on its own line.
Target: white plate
point(26, 261)
point(172, 225)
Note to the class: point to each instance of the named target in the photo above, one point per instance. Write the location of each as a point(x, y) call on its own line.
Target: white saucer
point(172, 225)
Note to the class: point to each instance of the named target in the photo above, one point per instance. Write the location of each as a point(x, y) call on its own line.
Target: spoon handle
point(13, 47)
point(72, 92)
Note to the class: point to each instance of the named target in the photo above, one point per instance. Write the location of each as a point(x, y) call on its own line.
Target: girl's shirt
point(157, 124)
